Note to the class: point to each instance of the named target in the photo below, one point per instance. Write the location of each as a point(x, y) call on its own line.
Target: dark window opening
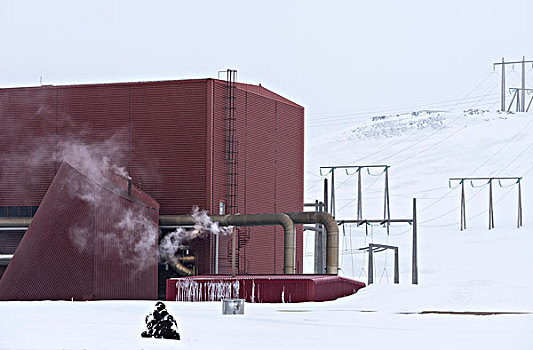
point(25, 212)
point(13, 211)
point(18, 211)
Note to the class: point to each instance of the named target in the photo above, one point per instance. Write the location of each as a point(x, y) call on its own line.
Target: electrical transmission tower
point(519, 94)
point(489, 180)
point(358, 171)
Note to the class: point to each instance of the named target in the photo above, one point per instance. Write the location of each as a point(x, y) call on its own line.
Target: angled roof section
point(89, 240)
point(262, 91)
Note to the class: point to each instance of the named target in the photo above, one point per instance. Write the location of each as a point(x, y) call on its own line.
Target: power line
point(410, 107)
point(345, 119)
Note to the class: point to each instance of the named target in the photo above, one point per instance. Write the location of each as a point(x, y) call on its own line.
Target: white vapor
point(203, 227)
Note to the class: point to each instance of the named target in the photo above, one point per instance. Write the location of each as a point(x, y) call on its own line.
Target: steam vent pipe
point(332, 241)
point(247, 220)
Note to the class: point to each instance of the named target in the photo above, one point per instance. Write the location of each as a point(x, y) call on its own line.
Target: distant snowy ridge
point(388, 126)
point(394, 125)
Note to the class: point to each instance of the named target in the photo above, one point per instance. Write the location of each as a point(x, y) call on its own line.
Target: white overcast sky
point(333, 57)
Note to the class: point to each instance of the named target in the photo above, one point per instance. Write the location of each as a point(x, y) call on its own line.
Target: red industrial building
point(95, 172)
point(223, 146)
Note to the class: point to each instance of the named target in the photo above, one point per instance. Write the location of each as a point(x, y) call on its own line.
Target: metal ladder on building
point(231, 151)
point(232, 166)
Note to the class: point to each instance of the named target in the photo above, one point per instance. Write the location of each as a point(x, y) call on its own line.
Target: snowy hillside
point(476, 271)
point(474, 143)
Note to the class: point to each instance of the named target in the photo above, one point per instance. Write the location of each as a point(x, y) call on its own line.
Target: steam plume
point(203, 227)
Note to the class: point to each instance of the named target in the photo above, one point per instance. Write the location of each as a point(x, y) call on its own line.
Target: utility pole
point(375, 248)
point(503, 85)
point(490, 181)
point(326, 196)
point(359, 168)
point(523, 84)
point(332, 201)
point(520, 101)
point(521, 98)
point(414, 262)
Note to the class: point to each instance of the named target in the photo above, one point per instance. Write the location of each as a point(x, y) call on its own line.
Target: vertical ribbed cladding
point(290, 167)
point(220, 178)
point(169, 143)
point(160, 136)
point(27, 144)
point(266, 243)
point(241, 134)
point(270, 173)
point(211, 207)
point(169, 129)
point(79, 247)
point(220, 187)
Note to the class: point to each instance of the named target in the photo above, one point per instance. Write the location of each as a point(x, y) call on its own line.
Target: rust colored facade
point(89, 240)
point(170, 137)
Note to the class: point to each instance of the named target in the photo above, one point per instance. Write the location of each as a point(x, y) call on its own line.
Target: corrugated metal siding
point(333, 287)
point(160, 130)
point(261, 289)
point(220, 179)
point(169, 143)
point(270, 135)
point(156, 130)
point(9, 241)
point(76, 248)
point(96, 117)
point(290, 167)
point(262, 91)
point(27, 144)
point(266, 243)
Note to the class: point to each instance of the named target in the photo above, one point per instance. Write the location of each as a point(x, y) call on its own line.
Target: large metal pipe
point(247, 220)
point(179, 267)
point(332, 241)
point(15, 222)
point(187, 259)
point(5, 259)
point(287, 221)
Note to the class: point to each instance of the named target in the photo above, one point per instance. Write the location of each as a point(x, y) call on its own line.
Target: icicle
point(252, 298)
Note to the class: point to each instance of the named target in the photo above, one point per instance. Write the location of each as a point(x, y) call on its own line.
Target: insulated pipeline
point(268, 219)
point(287, 221)
point(332, 241)
point(15, 222)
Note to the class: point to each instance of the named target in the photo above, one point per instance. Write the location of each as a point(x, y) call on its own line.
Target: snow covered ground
point(476, 271)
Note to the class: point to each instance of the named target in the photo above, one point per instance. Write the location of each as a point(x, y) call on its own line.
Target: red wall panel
point(27, 144)
point(261, 288)
point(270, 135)
point(93, 122)
point(290, 167)
point(168, 123)
point(170, 137)
point(79, 245)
